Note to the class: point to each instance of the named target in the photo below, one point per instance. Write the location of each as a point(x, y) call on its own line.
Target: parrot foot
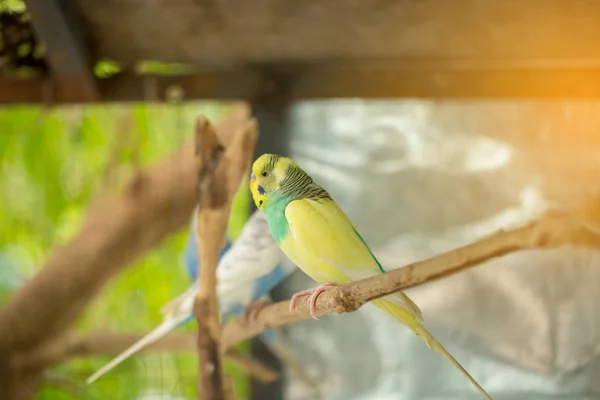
point(253, 308)
point(312, 300)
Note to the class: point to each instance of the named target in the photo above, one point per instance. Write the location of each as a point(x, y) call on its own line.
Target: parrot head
point(268, 171)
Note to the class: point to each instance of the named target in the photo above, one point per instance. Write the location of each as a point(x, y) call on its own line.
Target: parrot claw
point(253, 308)
point(312, 300)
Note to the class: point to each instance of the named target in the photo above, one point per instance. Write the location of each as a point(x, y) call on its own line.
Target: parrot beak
point(252, 181)
point(252, 177)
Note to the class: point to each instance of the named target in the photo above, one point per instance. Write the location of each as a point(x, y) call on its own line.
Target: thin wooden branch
point(552, 230)
point(220, 171)
point(98, 343)
point(117, 229)
point(105, 343)
point(256, 369)
point(210, 238)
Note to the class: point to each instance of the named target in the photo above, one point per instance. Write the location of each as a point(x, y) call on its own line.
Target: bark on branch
point(220, 173)
point(552, 230)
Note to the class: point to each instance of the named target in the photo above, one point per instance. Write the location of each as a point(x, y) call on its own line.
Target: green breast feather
point(275, 216)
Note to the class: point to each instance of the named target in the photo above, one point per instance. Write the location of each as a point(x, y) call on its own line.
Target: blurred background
point(431, 124)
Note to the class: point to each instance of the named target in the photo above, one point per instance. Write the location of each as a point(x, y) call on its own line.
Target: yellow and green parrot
point(314, 232)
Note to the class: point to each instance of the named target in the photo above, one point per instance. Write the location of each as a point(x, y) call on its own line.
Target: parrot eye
point(265, 174)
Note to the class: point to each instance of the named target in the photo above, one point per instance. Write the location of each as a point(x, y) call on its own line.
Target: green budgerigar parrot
point(314, 232)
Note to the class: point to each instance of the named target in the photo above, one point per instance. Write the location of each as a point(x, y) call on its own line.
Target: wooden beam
point(56, 27)
point(383, 80)
point(215, 85)
point(324, 81)
point(240, 32)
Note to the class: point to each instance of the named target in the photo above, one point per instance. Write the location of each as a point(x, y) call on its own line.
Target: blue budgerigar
point(247, 271)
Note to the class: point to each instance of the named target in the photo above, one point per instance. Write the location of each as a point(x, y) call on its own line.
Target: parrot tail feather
point(152, 337)
point(413, 323)
point(180, 301)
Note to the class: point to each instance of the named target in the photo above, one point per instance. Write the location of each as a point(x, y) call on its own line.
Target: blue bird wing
point(252, 266)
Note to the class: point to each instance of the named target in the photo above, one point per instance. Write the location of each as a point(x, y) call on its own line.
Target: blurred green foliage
point(12, 5)
point(53, 162)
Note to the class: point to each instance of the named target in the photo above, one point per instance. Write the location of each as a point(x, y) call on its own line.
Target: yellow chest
point(312, 266)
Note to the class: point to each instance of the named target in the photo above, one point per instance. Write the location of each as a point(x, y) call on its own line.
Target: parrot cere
point(315, 234)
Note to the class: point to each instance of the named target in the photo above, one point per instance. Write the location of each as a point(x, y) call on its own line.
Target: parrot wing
point(254, 254)
point(326, 232)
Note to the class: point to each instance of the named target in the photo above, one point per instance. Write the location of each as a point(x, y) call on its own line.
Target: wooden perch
point(553, 230)
point(220, 174)
point(117, 229)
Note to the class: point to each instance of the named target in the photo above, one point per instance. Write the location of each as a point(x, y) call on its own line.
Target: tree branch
point(255, 369)
point(220, 171)
point(105, 343)
point(552, 230)
point(98, 343)
point(116, 230)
